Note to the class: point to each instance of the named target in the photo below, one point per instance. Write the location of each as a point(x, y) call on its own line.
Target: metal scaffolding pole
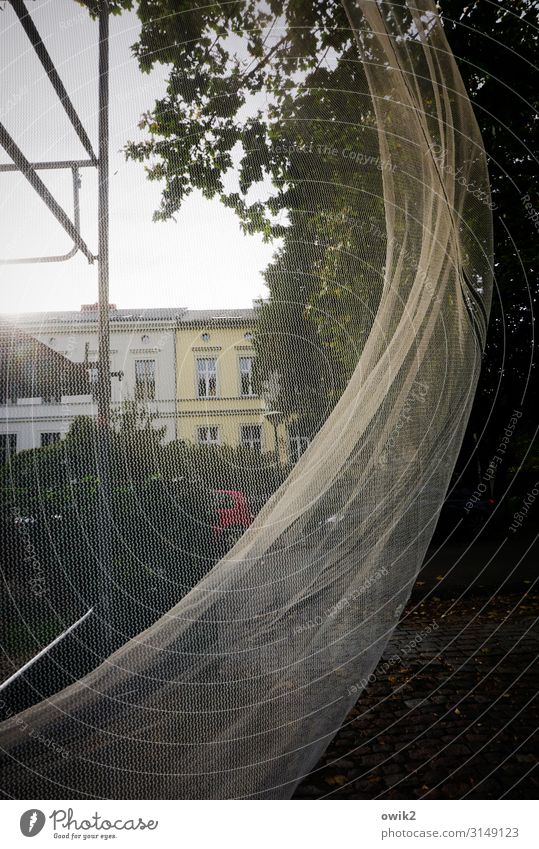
point(104, 393)
point(103, 372)
point(21, 163)
point(98, 621)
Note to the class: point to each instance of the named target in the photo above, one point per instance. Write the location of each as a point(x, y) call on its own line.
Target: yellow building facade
point(215, 399)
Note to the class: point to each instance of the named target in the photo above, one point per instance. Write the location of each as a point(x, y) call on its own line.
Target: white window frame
point(253, 444)
point(142, 385)
point(211, 441)
point(49, 433)
point(206, 375)
point(251, 393)
point(9, 446)
point(297, 445)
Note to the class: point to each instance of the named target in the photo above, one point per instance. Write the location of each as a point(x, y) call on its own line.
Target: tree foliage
point(236, 123)
point(246, 114)
point(495, 44)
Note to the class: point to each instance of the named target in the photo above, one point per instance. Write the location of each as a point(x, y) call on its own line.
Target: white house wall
point(29, 418)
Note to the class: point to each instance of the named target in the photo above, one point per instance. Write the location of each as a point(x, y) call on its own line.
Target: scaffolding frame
point(100, 161)
point(71, 226)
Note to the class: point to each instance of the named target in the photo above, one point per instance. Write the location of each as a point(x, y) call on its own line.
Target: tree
point(495, 44)
point(251, 109)
point(266, 107)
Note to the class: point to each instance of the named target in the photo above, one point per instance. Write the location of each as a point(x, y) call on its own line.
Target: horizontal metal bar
point(31, 31)
point(30, 260)
point(43, 651)
point(49, 166)
point(36, 182)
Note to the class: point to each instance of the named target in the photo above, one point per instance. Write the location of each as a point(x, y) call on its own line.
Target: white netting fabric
point(237, 690)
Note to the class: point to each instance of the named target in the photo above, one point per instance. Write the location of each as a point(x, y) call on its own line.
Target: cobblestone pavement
point(453, 718)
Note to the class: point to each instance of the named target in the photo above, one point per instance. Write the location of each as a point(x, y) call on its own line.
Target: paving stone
point(440, 720)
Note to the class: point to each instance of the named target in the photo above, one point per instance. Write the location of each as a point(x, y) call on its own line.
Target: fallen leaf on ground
point(339, 780)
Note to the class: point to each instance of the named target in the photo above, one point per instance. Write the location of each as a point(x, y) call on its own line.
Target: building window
point(251, 436)
point(145, 380)
point(8, 446)
point(207, 377)
point(297, 444)
point(246, 376)
point(50, 438)
point(208, 435)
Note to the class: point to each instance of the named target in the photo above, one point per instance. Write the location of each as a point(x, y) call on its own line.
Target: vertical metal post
point(274, 416)
point(103, 371)
point(103, 394)
point(276, 436)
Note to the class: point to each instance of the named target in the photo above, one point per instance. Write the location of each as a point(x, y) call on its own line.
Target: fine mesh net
point(248, 659)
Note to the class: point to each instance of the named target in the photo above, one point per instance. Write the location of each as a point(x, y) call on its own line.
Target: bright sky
point(201, 260)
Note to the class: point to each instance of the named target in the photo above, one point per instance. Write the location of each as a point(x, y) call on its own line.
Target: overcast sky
point(201, 260)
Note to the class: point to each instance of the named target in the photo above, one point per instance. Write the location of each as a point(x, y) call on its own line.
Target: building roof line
point(85, 318)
